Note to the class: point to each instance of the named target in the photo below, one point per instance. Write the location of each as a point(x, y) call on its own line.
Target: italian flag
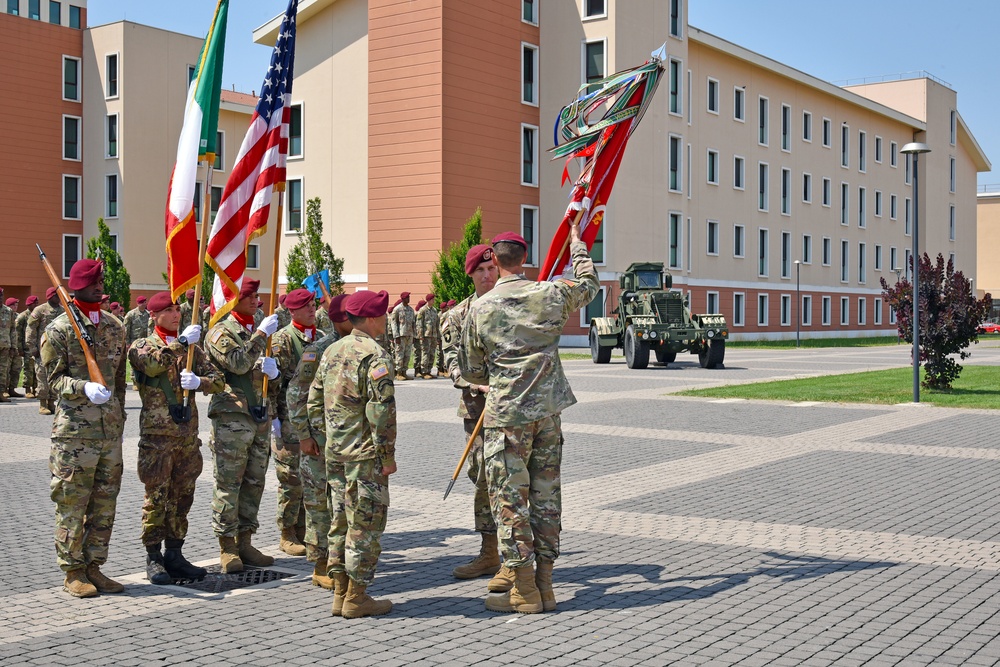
point(197, 143)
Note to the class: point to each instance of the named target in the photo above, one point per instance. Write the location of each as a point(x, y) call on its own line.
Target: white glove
point(188, 379)
point(268, 325)
point(276, 428)
point(97, 393)
point(191, 334)
point(269, 367)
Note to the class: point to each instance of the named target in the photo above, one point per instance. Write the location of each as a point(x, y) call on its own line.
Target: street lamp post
point(898, 271)
point(915, 149)
point(798, 304)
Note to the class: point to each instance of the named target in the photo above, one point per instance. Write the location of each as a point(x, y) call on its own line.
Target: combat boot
point(320, 577)
point(543, 581)
point(4, 398)
point(29, 392)
point(78, 586)
point(156, 573)
point(249, 553)
point(358, 604)
point(400, 378)
point(486, 563)
point(178, 566)
point(523, 598)
point(14, 394)
point(427, 376)
point(229, 556)
point(340, 585)
point(102, 583)
point(44, 409)
point(290, 543)
point(502, 582)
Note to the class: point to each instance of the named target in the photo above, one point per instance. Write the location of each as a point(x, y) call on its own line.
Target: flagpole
point(206, 208)
point(280, 188)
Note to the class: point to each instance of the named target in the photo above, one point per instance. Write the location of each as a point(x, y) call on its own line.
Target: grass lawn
point(977, 387)
point(815, 342)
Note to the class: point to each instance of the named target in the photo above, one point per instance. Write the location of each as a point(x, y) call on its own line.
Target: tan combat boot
point(78, 585)
point(290, 543)
point(229, 555)
point(486, 563)
point(543, 581)
point(100, 582)
point(249, 553)
point(340, 584)
point(44, 409)
point(358, 604)
point(320, 577)
point(502, 582)
point(524, 598)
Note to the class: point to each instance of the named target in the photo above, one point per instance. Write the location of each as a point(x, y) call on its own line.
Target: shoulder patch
point(216, 336)
point(308, 356)
point(567, 281)
point(379, 371)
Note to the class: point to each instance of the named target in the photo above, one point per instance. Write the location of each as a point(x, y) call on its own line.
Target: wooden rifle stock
point(79, 328)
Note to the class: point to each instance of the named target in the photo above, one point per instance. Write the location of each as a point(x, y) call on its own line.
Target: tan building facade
point(988, 222)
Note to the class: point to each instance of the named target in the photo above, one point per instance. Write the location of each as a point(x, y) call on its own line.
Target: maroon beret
point(403, 295)
point(421, 304)
point(115, 304)
point(511, 237)
point(452, 303)
point(281, 299)
point(299, 298)
point(160, 301)
point(365, 303)
point(250, 285)
point(31, 300)
point(85, 273)
point(10, 302)
point(141, 300)
point(189, 295)
point(50, 292)
point(429, 297)
point(105, 297)
point(477, 255)
point(336, 310)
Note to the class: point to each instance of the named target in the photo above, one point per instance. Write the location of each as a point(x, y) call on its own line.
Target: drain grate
point(217, 582)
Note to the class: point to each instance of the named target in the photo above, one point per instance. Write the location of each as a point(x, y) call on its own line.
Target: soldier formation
point(314, 387)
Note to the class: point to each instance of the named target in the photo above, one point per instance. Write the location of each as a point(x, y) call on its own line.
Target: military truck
point(650, 317)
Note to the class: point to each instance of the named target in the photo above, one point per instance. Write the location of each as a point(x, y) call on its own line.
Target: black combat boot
point(178, 566)
point(155, 571)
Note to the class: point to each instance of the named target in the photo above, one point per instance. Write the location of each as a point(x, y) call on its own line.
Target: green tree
point(949, 317)
point(311, 254)
point(449, 279)
point(117, 281)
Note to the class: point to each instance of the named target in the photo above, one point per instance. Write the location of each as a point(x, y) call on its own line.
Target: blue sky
point(850, 39)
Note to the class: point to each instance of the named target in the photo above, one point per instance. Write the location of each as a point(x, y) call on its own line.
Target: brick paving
point(695, 532)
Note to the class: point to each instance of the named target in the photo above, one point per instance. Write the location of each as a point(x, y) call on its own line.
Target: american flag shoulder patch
point(309, 356)
point(216, 336)
point(380, 372)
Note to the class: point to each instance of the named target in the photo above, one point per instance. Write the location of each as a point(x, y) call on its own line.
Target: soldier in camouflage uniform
point(390, 332)
point(480, 267)
point(16, 350)
point(323, 323)
point(27, 361)
point(169, 452)
point(431, 330)
point(511, 341)
point(137, 325)
point(353, 398)
point(86, 456)
point(287, 347)
point(186, 309)
point(7, 317)
point(240, 444)
point(40, 318)
point(418, 339)
point(284, 317)
point(403, 330)
point(312, 461)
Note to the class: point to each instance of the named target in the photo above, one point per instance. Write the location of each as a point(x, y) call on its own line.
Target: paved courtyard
point(694, 531)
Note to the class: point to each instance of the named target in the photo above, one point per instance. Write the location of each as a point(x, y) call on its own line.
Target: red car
point(989, 328)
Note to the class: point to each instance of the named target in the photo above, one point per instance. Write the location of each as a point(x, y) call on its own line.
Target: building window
point(786, 310)
point(674, 234)
point(713, 167)
point(786, 191)
point(827, 251)
point(906, 216)
point(35, 9)
point(906, 168)
point(593, 309)
point(862, 214)
point(877, 315)
point(220, 151)
point(951, 176)
point(111, 196)
point(892, 207)
point(675, 86)
point(593, 61)
point(739, 241)
point(738, 172)
point(878, 149)
point(862, 157)
point(529, 74)
point(529, 155)
point(892, 316)
point(761, 186)
point(676, 19)
point(295, 131)
point(786, 254)
point(862, 310)
point(739, 309)
point(529, 12)
point(762, 253)
point(807, 126)
point(954, 127)
point(878, 203)
point(845, 311)
point(892, 153)
point(951, 222)
point(807, 249)
point(71, 198)
point(253, 256)
point(71, 79)
point(12, 7)
point(827, 186)
point(862, 263)
point(786, 127)
point(827, 133)
point(529, 232)
point(825, 307)
point(111, 76)
point(593, 9)
point(807, 306)
point(74, 17)
point(196, 203)
point(71, 138)
point(907, 264)
point(762, 310)
point(712, 303)
point(845, 196)
point(844, 259)
point(713, 96)
point(807, 187)
point(739, 104)
point(762, 106)
point(713, 237)
point(878, 257)
point(893, 263)
point(845, 149)
point(111, 134)
point(71, 252)
point(294, 206)
point(597, 251)
point(55, 13)
point(674, 167)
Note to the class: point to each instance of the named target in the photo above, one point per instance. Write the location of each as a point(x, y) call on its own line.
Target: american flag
point(260, 164)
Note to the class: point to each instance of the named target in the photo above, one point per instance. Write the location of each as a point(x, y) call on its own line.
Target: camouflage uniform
point(185, 317)
point(312, 469)
point(169, 453)
point(323, 322)
point(404, 327)
point(469, 408)
point(284, 317)
point(40, 318)
point(7, 351)
point(16, 349)
point(136, 324)
point(432, 337)
point(240, 445)
point(86, 456)
point(27, 361)
point(418, 343)
point(353, 398)
point(511, 340)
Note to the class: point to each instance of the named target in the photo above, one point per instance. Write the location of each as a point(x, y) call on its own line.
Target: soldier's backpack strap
point(297, 344)
point(161, 382)
point(245, 384)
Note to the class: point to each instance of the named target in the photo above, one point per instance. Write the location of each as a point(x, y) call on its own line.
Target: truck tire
point(665, 356)
point(600, 354)
point(636, 353)
point(713, 354)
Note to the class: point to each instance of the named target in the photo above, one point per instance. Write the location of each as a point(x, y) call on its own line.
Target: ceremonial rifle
point(79, 327)
point(465, 454)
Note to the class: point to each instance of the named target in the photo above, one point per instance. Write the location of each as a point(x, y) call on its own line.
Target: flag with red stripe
point(260, 166)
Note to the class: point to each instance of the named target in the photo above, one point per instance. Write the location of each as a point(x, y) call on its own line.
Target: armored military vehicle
point(652, 318)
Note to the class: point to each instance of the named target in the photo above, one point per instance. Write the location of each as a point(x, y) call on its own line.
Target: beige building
point(988, 269)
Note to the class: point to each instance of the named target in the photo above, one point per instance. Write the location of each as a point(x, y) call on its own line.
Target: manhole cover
point(217, 582)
